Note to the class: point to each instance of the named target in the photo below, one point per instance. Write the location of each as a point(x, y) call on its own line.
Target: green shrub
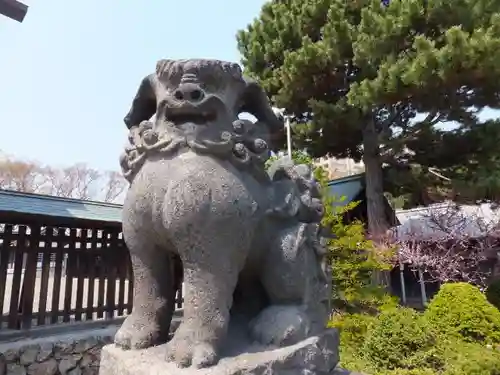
point(355, 261)
point(463, 358)
point(402, 342)
point(410, 372)
point(353, 328)
point(460, 309)
point(401, 339)
point(493, 293)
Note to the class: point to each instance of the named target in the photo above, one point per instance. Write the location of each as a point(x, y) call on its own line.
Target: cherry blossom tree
point(450, 242)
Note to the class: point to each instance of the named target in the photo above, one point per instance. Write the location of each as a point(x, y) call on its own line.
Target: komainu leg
point(211, 225)
point(154, 294)
point(209, 291)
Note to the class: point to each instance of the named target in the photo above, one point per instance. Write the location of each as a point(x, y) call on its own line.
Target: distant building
point(352, 188)
point(13, 9)
point(338, 168)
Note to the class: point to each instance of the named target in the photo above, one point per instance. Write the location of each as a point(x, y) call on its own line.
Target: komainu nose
point(190, 92)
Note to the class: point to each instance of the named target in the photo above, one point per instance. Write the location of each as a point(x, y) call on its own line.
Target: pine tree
point(354, 74)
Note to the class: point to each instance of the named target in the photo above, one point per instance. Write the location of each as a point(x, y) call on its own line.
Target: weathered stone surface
point(48, 367)
point(16, 369)
point(3, 364)
point(315, 355)
point(75, 371)
point(95, 353)
point(89, 360)
point(92, 342)
point(80, 346)
point(45, 352)
point(62, 349)
point(53, 356)
point(68, 363)
point(341, 371)
point(29, 355)
point(90, 371)
point(11, 355)
point(202, 208)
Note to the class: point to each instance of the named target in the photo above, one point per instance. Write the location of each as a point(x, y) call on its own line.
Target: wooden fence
point(51, 275)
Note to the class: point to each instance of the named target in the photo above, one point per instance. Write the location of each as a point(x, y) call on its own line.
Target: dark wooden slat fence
point(51, 275)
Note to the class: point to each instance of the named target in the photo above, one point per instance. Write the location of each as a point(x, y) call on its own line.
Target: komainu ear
point(144, 104)
point(254, 101)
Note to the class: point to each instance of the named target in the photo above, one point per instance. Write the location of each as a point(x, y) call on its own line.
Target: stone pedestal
point(316, 355)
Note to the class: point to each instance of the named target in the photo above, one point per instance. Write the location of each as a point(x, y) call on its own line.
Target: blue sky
point(68, 73)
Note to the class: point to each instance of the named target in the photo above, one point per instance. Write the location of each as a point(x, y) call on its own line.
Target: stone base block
point(317, 355)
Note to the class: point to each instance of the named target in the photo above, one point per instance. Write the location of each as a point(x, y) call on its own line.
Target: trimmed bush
point(493, 293)
point(353, 328)
point(401, 339)
point(411, 372)
point(463, 358)
point(461, 310)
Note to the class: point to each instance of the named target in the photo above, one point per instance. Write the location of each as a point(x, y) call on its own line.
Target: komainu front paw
point(188, 349)
point(139, 333)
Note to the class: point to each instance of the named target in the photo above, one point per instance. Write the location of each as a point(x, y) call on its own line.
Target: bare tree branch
point(114, 186)
point(21, 175)
point(77, 181)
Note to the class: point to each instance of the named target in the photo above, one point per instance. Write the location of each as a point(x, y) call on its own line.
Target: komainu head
point(196, 104)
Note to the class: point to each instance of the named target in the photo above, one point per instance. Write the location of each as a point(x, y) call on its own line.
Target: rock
point(11, 355)
point(62, 349)
point(95, 352)
point(29, 355)
point(48, 367)
point(68, 363)
point(315, 355)
point(3, 364)
point(107, 340)
point(15, 369)
point(45, 352)
point(75, 371)
point(81, 346)
point(93, 370)
point(280, 326)
point(89, 360)
point(90, 343)
point(341, 371)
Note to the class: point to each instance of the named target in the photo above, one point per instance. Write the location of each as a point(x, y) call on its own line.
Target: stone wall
point(66, 349)
point(73, 349)
point(81, 357)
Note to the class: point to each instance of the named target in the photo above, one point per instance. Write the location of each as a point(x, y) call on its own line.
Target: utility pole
point(13, 9)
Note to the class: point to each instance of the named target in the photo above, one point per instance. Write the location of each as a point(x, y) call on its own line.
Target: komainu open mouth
point(197, 118)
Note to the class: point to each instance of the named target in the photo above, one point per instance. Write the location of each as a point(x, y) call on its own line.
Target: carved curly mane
point(245, 147)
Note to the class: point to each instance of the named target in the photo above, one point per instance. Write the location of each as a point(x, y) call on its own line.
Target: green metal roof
point(46, 205)
point(348, 187)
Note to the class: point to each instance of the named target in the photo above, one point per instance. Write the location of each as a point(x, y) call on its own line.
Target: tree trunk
point(375, 200)
point(377, 219)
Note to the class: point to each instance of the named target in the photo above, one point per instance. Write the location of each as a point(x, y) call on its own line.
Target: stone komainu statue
point(201, 208)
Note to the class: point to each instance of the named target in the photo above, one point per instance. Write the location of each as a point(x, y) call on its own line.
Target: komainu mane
point(202, 209)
